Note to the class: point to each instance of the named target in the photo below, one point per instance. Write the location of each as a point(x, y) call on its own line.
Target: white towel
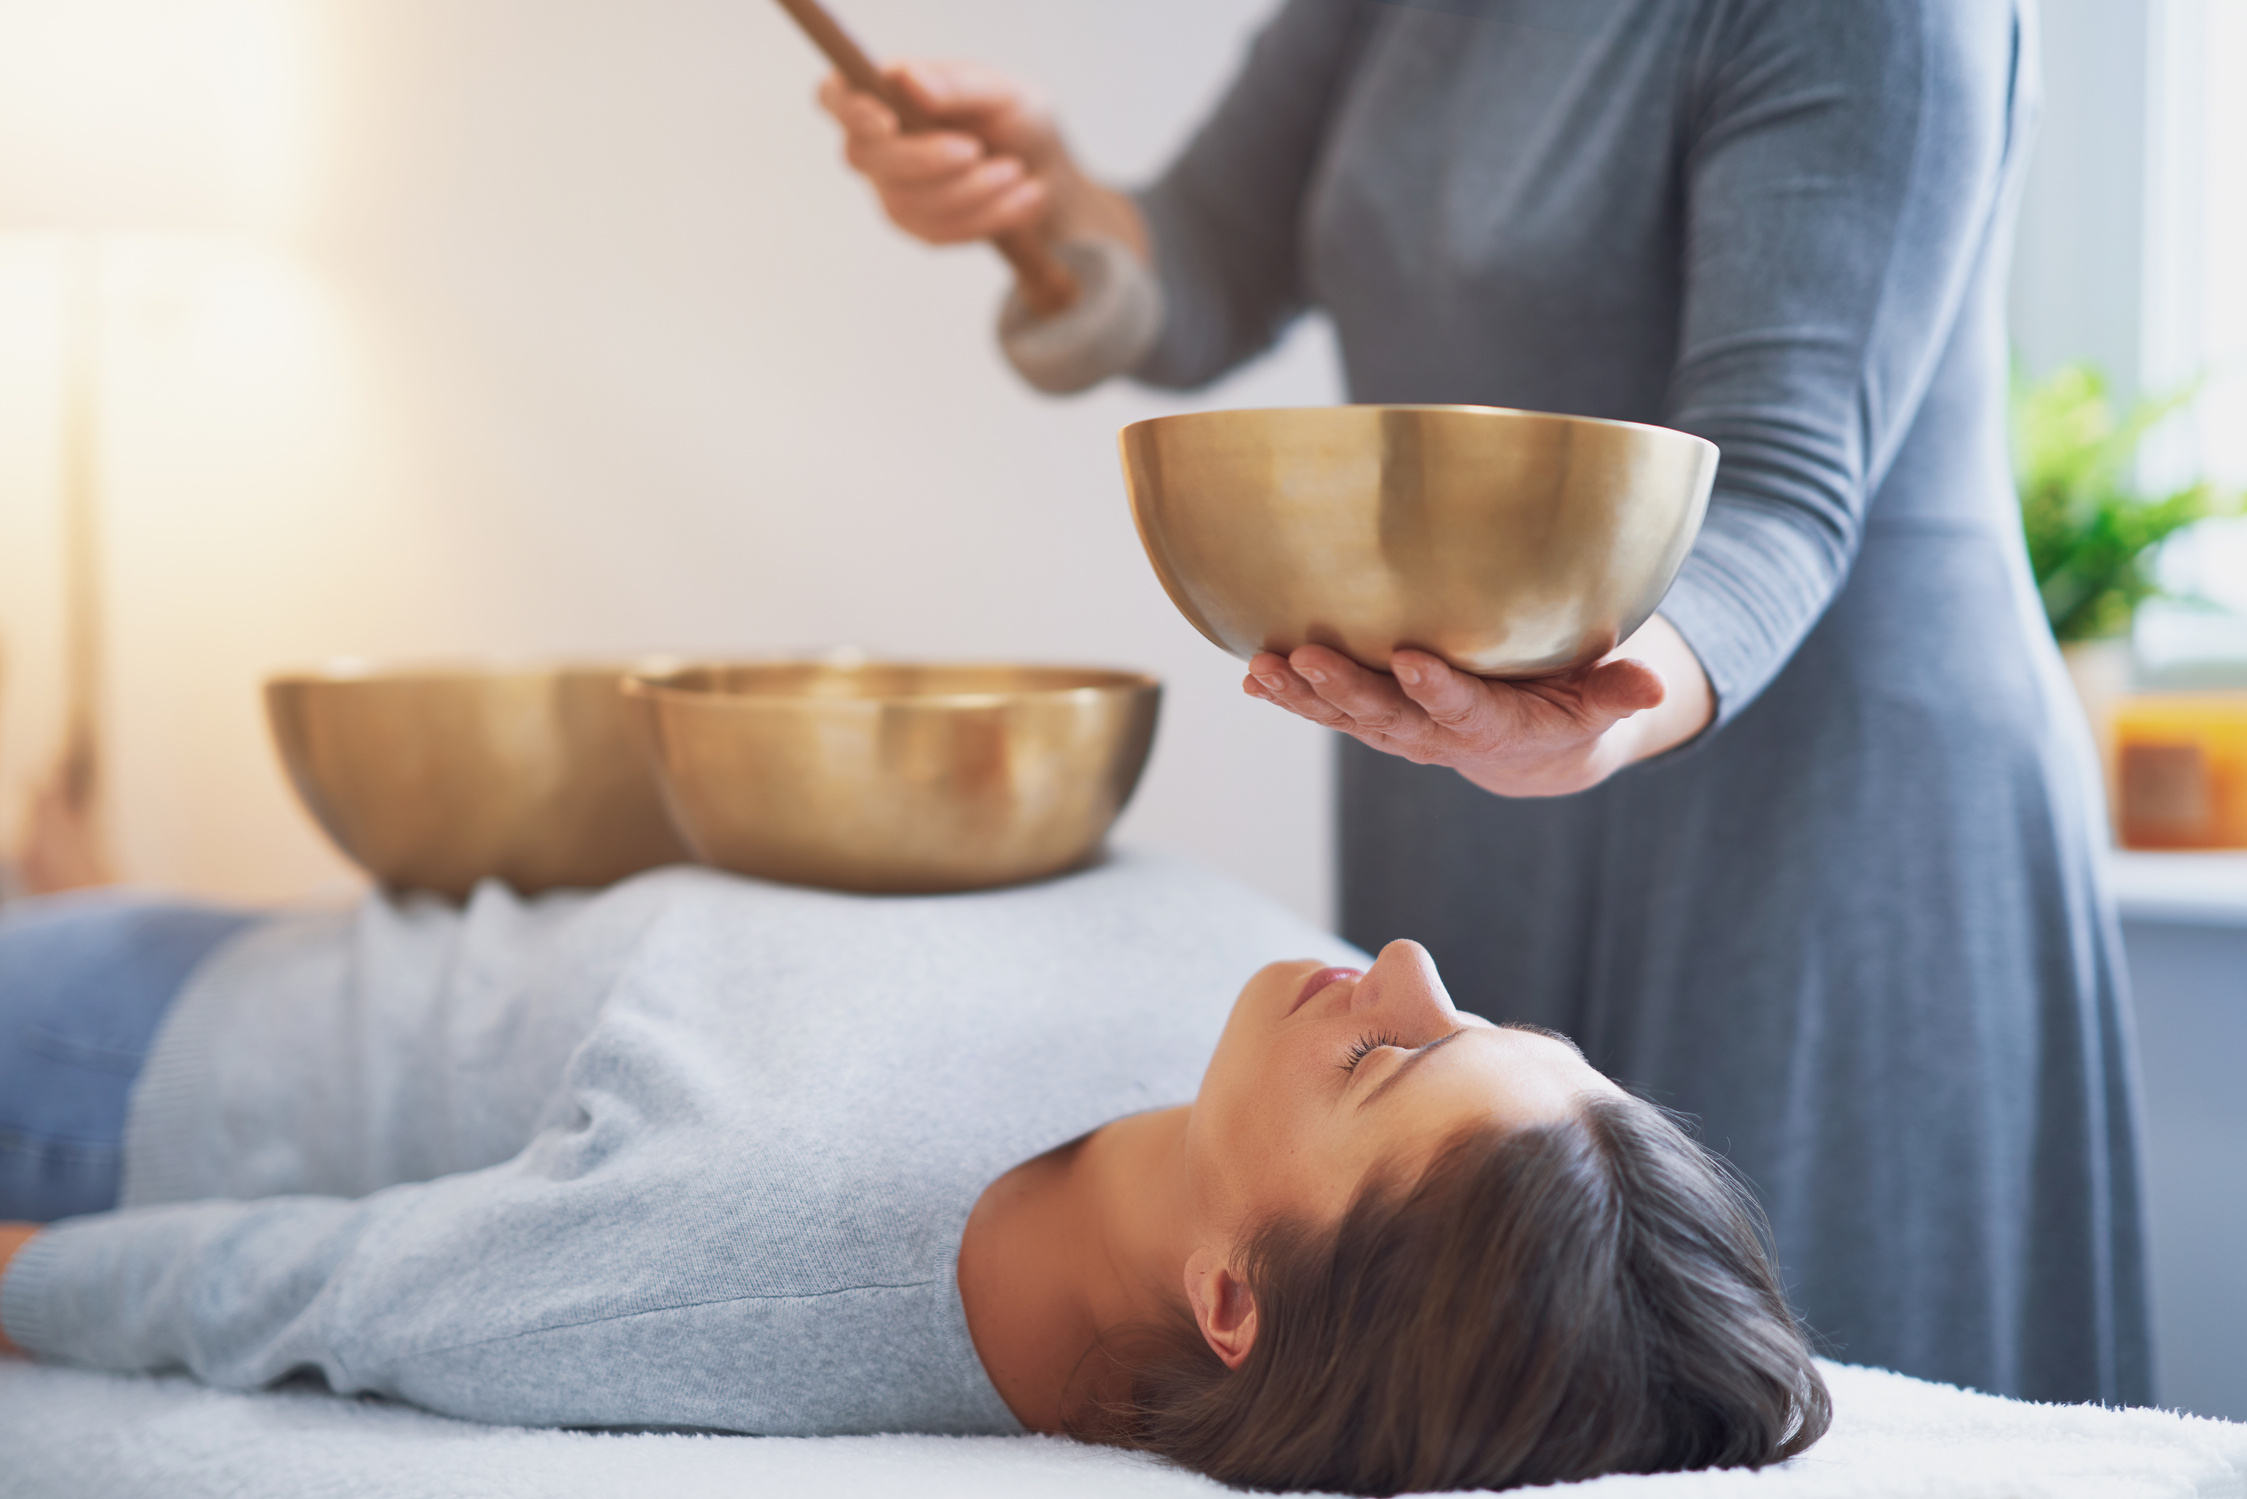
point(68, 1434)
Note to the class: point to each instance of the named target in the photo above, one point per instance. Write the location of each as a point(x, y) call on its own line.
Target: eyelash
point(1366, 1046)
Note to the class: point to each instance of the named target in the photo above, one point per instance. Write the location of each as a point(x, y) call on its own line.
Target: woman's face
point(1324, 1074)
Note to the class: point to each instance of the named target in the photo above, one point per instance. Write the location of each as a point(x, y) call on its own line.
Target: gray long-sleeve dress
point(1857, 928)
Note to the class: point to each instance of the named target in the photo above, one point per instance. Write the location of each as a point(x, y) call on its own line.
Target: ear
point(1224, 1308)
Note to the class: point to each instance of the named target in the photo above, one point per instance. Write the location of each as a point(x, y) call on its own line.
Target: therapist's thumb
point(1619, 688)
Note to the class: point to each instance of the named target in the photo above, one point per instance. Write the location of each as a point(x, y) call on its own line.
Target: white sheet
point(67, 1434)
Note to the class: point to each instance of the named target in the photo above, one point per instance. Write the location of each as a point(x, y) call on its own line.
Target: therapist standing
point(1812, 858)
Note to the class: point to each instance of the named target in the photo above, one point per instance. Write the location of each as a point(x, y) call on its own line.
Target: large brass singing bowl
point(1510, 543)
point(895, 778)
point(435, 778)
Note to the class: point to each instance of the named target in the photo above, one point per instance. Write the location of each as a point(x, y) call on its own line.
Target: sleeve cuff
point(26, 1301)
point(1111, 326)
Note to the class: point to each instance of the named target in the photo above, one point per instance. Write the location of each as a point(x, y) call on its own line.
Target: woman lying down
point(698, 1152)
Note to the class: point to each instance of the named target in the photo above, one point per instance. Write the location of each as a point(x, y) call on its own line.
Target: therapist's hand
point(999, 164)
point(1543, 737)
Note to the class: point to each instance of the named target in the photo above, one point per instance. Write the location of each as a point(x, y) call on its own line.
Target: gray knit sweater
point(692, 1152)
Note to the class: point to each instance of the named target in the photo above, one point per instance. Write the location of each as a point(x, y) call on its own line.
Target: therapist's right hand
point(998, 164)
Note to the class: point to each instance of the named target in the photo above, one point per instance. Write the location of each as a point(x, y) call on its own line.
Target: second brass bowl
point(884, 777)
point(433, 778)
point(1510, 543)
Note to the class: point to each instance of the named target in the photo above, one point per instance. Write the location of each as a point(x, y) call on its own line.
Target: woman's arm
point(13, 1236)
point(445, 1293)
point(1847, 177)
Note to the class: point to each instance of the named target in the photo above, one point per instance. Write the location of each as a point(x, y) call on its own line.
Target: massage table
point(74, 1434)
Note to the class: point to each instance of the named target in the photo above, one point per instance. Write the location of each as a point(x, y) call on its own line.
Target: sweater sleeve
point(1844, 168)
point(1226, 218)
point(363, 1290)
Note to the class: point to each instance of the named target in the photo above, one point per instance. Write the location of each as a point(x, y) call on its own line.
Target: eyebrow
point(1406, 1065)
point(1550, 1035)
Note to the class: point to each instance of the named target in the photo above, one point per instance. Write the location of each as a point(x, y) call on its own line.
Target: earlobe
point(1224, 1308)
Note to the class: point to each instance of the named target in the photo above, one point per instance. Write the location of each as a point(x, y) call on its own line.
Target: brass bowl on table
point(435, 777)
point(1510, 543)
point(896, 778)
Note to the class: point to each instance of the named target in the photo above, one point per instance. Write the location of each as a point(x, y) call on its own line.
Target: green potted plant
point(2092, 532)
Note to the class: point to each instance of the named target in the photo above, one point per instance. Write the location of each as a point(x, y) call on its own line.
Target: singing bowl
point(896, 778)
point(1510, 543)
point(432, 778)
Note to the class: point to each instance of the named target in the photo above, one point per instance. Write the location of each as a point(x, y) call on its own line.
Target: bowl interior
point(929, 684)
point(460, 675)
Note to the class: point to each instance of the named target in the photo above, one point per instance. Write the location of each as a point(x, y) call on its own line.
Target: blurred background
point(556, 326)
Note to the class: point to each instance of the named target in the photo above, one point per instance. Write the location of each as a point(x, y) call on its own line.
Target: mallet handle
point(1046, 283)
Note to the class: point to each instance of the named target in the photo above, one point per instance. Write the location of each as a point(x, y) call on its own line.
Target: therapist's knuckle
point(1420, 751)
point(1382, 717)
point(1462, 713)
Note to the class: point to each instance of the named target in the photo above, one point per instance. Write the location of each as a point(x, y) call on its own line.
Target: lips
point(1320, 980)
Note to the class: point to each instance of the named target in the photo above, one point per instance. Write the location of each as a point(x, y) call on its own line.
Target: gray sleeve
point(367, 1291)
point(1844, 167)
point(442, 1291)
point(1226, 218)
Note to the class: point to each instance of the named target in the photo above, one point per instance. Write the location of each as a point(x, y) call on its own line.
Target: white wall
point(581, 340)
point(2078, 288)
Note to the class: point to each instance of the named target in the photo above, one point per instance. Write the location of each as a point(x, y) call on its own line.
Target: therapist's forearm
point(13, 1236)
point(1688, 704)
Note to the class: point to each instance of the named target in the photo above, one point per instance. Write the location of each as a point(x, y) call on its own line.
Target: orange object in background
point(2181, 770)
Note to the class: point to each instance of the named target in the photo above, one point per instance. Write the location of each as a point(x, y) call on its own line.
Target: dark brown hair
point(1541, 1305)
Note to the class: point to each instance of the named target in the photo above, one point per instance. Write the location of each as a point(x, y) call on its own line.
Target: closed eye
point(1403, 1068)
point(1366, 1046)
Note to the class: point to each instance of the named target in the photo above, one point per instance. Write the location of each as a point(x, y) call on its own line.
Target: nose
point(1403, 985)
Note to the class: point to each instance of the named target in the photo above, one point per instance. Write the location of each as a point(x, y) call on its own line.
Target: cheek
point(1280, 1136)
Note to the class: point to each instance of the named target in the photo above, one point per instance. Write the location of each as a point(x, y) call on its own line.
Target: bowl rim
point(652, 686)
point(1464, 408)
point(435, 670)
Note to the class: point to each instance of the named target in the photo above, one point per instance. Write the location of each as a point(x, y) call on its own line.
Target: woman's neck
point(1066, 1249)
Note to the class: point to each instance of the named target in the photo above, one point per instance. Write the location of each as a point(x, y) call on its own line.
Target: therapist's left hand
point(1545, 736)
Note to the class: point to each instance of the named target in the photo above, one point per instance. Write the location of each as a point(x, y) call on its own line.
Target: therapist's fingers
point(1464, 706)
point(897, 163)
point(1374, 707)
point(948, 185)
point(1487, 713)
point(998, 194)
point(1002, 111)
point(1276, 682)
point(1330, 690)
point(860, 114)
point(1021, 207)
